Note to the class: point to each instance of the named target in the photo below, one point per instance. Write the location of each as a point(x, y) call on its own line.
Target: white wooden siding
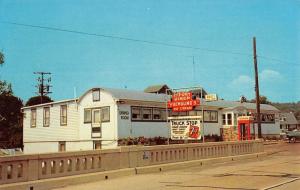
point(55, 132)
point(108, 129)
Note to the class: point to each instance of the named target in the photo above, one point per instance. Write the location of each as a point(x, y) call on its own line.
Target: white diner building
point(101, 116)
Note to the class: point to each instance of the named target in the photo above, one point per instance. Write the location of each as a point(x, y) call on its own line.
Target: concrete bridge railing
point(43, 166)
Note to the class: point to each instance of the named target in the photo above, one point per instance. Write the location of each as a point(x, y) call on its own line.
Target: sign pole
point(203, 140)
point(167, 115)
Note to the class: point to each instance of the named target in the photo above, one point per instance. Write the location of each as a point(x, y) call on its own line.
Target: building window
point(229, 119)
point(63, 115)
point(96, 95)
point(96, 116)
point(87, 115)
point(136, 113)
point(105, 116)
point(147, 114)
point(211, 116)
point(235, 119)
point(265, 118)
point(62, 146)
point(33, 118)
point(46, 117)
point(159, 114)
point(97, 145)
point(96, 129)
point(223, 119)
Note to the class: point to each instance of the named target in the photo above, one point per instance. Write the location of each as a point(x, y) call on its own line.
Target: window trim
point(105, 107)
point(98, 97)
point(140, 113)
point(44, 117)
point(210, 121)
point(163, 110)
point(96, 108)
point(93, 115)
point(224, 119)
point(84, 121)
point(151, 113)
point(61, 106)
point(231, 119)
point(31, 123)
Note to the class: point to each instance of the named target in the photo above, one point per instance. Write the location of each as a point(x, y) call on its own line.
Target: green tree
point(11, 120)
point(5, 88)
point(37, 100)
point(262, 100)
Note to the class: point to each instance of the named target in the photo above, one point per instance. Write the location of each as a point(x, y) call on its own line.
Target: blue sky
point(83, 61)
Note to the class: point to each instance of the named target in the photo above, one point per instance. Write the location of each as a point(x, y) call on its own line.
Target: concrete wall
point(44, 166)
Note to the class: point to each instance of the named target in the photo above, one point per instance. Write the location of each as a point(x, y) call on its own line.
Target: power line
point(144, 41)
point(275, 59)
point(125, 38)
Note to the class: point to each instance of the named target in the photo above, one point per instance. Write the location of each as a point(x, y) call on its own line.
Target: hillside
point(289, 107)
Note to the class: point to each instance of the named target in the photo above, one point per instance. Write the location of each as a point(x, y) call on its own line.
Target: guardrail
point(43, 166)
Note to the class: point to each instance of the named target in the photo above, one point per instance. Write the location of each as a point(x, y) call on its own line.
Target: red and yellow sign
point(185, 127)
point(183, 101)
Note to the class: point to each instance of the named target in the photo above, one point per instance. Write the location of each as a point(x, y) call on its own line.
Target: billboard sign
point(183, 101)
point(185, 128)
point(211, 97)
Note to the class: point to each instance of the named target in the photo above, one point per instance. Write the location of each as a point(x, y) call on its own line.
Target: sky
point(220, 33)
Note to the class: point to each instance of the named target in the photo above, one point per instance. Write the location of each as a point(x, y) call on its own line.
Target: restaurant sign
point(183, 101)
point(185, 127)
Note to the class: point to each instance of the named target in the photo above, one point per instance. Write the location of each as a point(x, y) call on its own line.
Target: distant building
point(288, 121)
point(158, 89)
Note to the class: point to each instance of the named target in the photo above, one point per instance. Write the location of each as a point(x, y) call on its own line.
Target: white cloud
point(270, 75)
point(242, 80)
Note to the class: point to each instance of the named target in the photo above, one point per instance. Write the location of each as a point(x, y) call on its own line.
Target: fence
point(43, 166)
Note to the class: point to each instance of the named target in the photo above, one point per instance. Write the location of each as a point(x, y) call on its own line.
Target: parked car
point(293, 136)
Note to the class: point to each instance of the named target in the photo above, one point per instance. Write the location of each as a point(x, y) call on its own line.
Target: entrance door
point(243, 131)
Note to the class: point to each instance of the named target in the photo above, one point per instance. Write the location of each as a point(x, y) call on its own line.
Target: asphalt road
point(280, 170)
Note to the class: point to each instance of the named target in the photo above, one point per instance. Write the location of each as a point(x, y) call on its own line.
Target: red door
point(244, 128)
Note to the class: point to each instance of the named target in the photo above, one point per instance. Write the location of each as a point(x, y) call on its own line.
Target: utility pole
point(43, 85)
point(256, 90)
